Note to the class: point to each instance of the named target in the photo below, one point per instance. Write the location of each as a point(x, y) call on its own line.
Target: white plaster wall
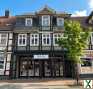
point(7, 73)
point(10, 35)
point(8, 66)
point(8, 57)
point(10, 42)
point(9, 48)
point(8, 54)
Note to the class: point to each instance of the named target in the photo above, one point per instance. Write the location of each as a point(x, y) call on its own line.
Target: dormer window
point(60, 21)
point(28, 22)
point(45, 20)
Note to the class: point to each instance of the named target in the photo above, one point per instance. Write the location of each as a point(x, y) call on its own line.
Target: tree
point(74, 41)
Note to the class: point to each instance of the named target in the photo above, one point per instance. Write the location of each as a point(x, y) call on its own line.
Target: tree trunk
point(77, 73)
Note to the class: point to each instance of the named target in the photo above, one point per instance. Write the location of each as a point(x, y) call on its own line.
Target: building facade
point(28, 46)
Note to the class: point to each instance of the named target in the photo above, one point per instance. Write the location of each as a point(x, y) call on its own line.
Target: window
point(60, 21)
point(46, 39)
point(45, 20)
point(3, 39)
point(56, 36)
point(86, 62)
point(28, 22)
point(22, 39)
point(34, 39)
point(1, 61)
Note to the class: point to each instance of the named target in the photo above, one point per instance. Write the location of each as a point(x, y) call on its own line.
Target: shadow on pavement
point(8, 86)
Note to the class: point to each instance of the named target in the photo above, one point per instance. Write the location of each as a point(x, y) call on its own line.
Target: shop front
point(38, 66)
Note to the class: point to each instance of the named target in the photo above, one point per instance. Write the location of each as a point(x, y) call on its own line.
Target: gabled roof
point(46, 10)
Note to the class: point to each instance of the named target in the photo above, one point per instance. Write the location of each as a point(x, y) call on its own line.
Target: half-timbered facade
point(28, 45)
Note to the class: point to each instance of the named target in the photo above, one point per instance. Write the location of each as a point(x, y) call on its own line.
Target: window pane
point(24, 41)
point(86, 63)
point(1, 66)
point(48, 41)
point(46, 20)
point(28, 21)
point(56, 40)
point(1, 61)
point(60, 21)
point(44, 40)
point(34, 39)
point(3, 39)
point(20, 41)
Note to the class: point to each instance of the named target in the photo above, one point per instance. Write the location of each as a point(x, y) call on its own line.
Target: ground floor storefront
point(38, 65)
point(27, 67)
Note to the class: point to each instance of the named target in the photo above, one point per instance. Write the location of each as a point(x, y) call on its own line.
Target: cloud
point(90, 3)
point(79, 13)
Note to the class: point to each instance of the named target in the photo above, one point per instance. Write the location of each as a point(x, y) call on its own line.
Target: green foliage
point(75, 40)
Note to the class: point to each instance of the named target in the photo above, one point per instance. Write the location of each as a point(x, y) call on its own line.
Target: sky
point(74, 7)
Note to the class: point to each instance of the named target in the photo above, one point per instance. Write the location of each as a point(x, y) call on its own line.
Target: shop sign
point(41, 56)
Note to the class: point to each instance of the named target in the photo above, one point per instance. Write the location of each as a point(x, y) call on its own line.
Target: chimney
point(6, 13)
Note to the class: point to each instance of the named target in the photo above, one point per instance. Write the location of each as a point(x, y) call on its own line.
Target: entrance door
point(47, 69)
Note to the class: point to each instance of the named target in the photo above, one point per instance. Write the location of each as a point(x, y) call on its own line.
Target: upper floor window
point(22, 39)
point(34, 39)
point(46, 39)
point(28, 22)
point(56, 36)
point(60, 21)
point(1, 60)
point(45, 20)
point(3, 39)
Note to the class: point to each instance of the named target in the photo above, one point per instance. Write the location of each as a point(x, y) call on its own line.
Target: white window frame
point(58, 21)
point(3, 61)
point(58, 35)
point(26, 22)
point(48, 18)
point(5, 38)
point(23, 35)
point(34, 37)
point(46, 39)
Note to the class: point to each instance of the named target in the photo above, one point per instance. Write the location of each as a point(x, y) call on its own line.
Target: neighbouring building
point(28, 45)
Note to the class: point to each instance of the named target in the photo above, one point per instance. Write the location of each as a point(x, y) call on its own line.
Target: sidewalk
point(41, 84)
